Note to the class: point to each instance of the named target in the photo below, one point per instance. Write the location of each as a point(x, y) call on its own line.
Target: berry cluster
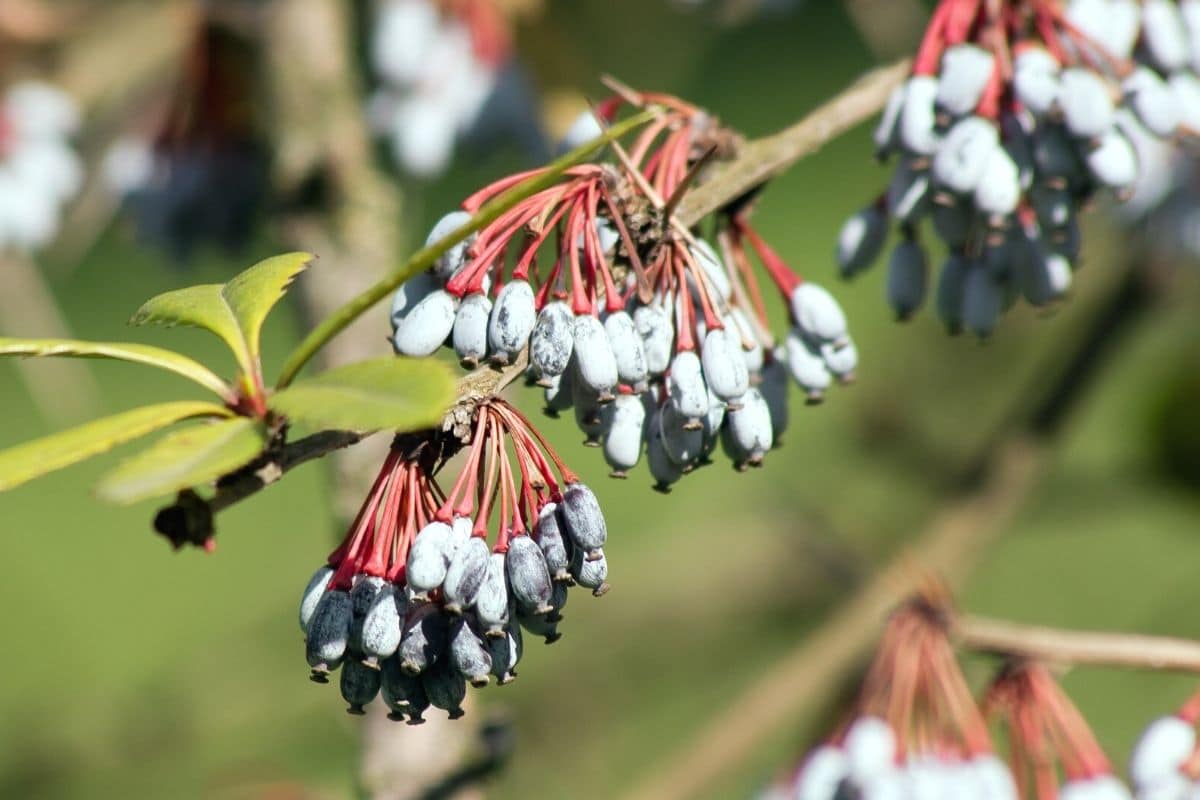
point(1016, 114)
point(655, 339)
point(1053, 751)
point(39, 168)
point(1165, 764)
point(438, 61)
point(420, 598)
point(915, 731)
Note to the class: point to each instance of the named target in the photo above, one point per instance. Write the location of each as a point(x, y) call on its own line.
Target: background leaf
point(202, 306)
point(120, 351)
point(32, 459)
point(390, 392)
point(184, 458)
point(252, 294)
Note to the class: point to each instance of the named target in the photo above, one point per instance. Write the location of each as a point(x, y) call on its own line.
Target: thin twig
point(1074, 648)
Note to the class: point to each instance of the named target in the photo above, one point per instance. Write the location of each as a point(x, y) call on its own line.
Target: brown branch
point(766, 158)
point(1075, 648)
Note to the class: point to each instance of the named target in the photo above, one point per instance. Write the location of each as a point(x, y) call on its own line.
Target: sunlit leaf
point(120, 351)
point(252, 294)
point(395, 393)
point(182, 459)
point(33, 459)
point(203, 306)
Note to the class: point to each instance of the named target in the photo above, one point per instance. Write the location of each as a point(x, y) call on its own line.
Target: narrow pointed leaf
point(396, 393)
point(33, 459)
point(119, 351)
point(252, 294)
point(202, 306)
point(184, 458)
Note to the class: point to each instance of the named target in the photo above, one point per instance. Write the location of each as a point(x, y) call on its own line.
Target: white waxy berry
point(748, 433)
point(907, 278)
point(1086, 103)
point(870, 747)
point(329, 631)
point(316, 587)
point(654, 326)
point(841, 359)
point(511, 321)
point(740, 329)
point(983, 299)
point(664, 471)
point(1152, 100)
point(724, 368)
point(717, 279)
point(551, 343)
point(549, 535)
point(861, 238)
point(470, 333)
point(962, 157)
point(583, 519)
point(1186, 89)
point(1190, 11)
point(1165, 34)
point(1161, 750)
point(423, 134)
point(885, 132)
point(589, 413)
point(682, 441)
point(465, 574)
point(469, 655)
point(429, 557)
point(381, 626)
point(491, 604)
point(400, 40)
point(908, 201)
point(965, 72)
point(999, 190)
point(686, 386)
point(38, 110)
point(1113, 161)
point(1173, 787)
point(595, 364)
point(817, 313)
point(528, 575)
point(359, 685)
point(917, 125)
point(1036, 79)
point(807, 367)
point(950, 292)
point(584, 129)
point(410, 293)
point(627, 349)
point(625, 422)
point(591, 573)
point(994, 778)
point(51, 167)
point(453, 259)
point(362, 596)
point(821, 774)
point(425, 328)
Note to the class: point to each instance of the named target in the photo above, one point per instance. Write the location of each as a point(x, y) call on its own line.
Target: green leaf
point(252, 294)
point(183, 459)
point(33, 459)
point(202, 306)
point(120, 351)
point(234, 311)
point(397, 393)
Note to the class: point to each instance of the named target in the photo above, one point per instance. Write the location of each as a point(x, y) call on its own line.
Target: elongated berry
point(908, 201)
point(1151, 99)
point(359, 685)
point(595, 364)
point(1036, 79)
point(687, 387)
point(583, 519)
point(861, 240)
point(469, 654)
point(549, 536)
point(470, 333)
point(591, 573)
point(916, 130)
point(403, 693)
point(624, 423)
point(1085, 102)
point(423, 330)
point(552, 342)
point(627, 349)
point(426, 635)
point(774, 388)
point(724, 368)
point(329, 632)
point(654, 327)
point(410, 293)
point(511, 322)
point(464, 576)
point(312, 594)
point(841, 359)
point(491, 604)
point(589, 412)
point(560, 392)
point(962, 157)
point(1113, 162)
point(817, 313)
point(885, 132)
point(528, 575)
point(381, 627)
point(664, 470)
point(807, 367)
point(452, 260)
point(1161, 750)
point(505, 651)
point(907, 278)
point(429, 557)
point(965, 72)
point(540, 625)
point(747, 433)
point(821, 774)
point(950, 290)
point(999, 190)
point(713, 269)
point(445, 688)
point(362, 596)
point(682, 443)
point(982, 301)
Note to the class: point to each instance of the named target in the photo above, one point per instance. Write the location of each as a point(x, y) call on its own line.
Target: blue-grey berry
point(381, 628)
point(469, 654)
point(426, 635)
point(429, 557)
point(464, 576)
point(328, 633)
point(470, 334)
point(549, 535)
point(359, 685)
point(511, 322)
point(583, 519)
point(491, 604)
point(316, 587)
point(445, 688)
point(552, 342)
point(528, 575)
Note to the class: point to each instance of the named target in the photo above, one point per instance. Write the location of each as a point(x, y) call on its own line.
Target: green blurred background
point(132, 671)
